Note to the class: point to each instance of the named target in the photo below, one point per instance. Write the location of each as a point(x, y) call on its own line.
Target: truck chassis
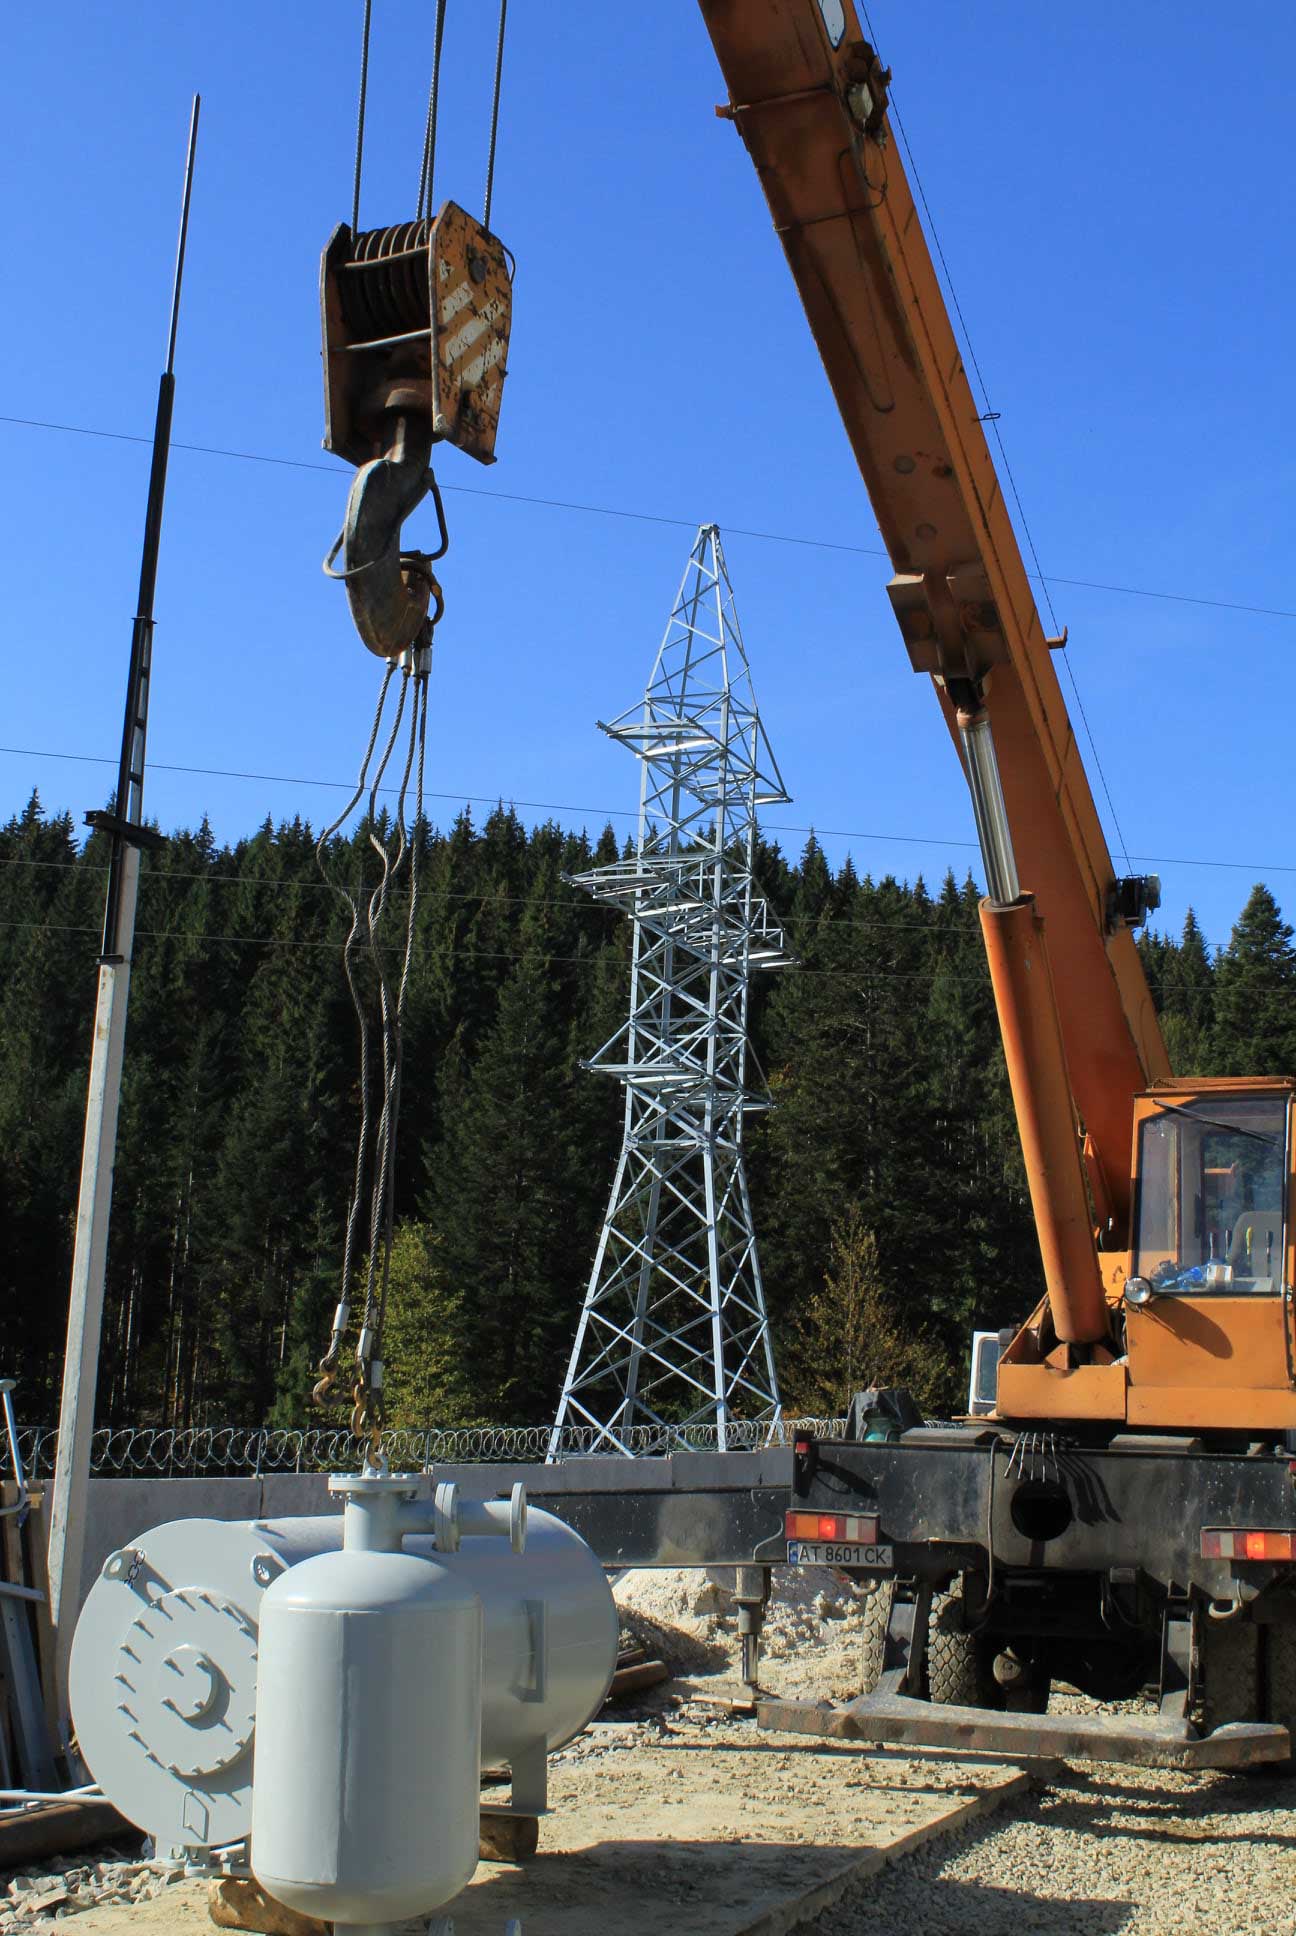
point(1051, 1558)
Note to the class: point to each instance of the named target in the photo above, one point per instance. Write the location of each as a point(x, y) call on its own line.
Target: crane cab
point(1207, 1299)
point(1202, 1333)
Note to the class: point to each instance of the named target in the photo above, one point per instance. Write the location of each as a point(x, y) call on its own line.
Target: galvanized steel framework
point(673, 1332)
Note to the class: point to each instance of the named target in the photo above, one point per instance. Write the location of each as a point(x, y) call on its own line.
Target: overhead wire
point(653, 517)
point(624, 813)
point(486, 899)
point(538, 955)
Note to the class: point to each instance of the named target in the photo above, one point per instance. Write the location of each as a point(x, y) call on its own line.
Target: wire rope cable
point(424, 209)
point(329, 1362)
point(360, 114)
point(396, 844)
point(495, 114)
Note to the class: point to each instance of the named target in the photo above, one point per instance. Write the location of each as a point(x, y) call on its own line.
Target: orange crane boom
point(809, 97)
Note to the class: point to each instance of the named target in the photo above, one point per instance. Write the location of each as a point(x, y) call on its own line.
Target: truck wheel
point(959, 1667)
point(1231, 1671)
point(877, 1616)
point(1279, 1646)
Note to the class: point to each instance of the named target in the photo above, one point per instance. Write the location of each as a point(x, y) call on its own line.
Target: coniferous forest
point(886, 1182)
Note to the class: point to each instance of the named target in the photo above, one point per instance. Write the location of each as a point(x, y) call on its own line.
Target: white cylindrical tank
point(163, 1675)
point(551, 1635)
point(162, 1681)
point(365, 1804)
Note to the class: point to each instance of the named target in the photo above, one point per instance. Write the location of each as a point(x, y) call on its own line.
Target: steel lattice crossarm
point(673, 1330)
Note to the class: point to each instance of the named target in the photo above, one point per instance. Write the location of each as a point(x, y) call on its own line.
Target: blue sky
point(1110, 186)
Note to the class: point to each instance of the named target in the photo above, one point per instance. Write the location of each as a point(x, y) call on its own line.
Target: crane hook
point(388, 590)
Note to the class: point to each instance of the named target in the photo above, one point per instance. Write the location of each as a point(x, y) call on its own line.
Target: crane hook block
point(421, 309)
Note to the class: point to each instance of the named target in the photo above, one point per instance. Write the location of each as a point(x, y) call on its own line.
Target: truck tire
point(1279, 1649)
point(877, 1615)
point(1231, 1671)
point(959, 1667)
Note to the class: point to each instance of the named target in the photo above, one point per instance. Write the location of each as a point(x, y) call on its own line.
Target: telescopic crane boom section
point(809, 98)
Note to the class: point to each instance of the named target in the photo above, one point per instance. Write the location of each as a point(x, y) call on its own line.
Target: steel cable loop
point(495, 108)
point(418, 667)
point(329, 1362)
point(362, 1422)
point(421, 673)
point(376, 908)
point(367, 1416)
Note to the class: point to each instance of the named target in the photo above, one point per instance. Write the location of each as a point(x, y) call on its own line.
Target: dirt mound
point(811, 1636)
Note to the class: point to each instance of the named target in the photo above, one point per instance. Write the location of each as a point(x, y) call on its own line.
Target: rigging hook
point(388, 591)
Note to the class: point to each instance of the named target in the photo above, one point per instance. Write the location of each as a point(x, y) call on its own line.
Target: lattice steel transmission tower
point(673, 1333)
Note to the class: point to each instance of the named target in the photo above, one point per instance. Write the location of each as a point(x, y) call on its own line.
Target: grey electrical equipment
point(164, 1663)
point(365, 1803)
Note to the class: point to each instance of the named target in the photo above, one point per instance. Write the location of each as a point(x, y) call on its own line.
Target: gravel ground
point(1102, 1849)
point(69, 1885)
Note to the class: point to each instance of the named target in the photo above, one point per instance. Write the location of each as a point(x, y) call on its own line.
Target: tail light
point(854, 1529)
point(1247, 1543)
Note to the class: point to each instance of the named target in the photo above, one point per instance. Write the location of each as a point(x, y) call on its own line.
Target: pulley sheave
point(384, 332)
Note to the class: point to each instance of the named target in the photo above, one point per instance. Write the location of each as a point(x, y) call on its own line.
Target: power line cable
point(1256, 867)
point(486, 900)
point(539, 956)
point(657, 517)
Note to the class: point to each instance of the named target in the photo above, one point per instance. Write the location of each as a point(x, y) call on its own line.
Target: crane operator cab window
point(1212, 1173)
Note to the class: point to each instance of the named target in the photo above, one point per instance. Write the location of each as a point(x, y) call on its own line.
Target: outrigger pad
point(1152, 1742)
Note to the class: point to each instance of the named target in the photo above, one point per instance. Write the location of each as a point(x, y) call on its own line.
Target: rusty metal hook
point(388, 594)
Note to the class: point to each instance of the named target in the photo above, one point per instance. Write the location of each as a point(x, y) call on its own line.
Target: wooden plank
point(60, 1829)
point(645, 1673)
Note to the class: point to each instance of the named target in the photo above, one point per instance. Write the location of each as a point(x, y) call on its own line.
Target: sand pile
point(811, 1638)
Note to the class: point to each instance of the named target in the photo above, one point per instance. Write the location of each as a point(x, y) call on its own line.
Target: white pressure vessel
point(551, 1635)
point(365, 1802)
point(164, 1665)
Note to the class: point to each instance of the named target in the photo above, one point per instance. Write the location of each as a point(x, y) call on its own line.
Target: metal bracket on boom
point(1130, 900)
point(949, 622)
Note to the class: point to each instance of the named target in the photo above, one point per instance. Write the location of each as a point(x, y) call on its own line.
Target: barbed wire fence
point(232, 1451)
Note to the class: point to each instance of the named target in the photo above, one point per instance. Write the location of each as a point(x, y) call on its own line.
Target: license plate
point(822, 1552)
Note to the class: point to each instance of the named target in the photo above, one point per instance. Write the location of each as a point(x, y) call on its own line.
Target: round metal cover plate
point(187, 1672)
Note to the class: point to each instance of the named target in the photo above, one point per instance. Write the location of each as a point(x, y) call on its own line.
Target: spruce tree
point(1255, 993)
point(1188, 1003)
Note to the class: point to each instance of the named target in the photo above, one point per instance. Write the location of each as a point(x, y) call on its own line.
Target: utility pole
point(673, 1335)
point(125, 827)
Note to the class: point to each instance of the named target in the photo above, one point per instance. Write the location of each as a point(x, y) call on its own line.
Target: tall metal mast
point(94, 1201)
point(673, 1332)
